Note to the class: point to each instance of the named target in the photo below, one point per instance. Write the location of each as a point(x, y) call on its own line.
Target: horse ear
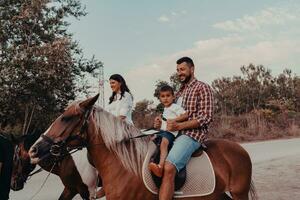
point(89, 102)
point(16, 140)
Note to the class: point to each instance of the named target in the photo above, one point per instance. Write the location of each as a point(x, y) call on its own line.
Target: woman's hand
point(122, 117)
point(157, 122)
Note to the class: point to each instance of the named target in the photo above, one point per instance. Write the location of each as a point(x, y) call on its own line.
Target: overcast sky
point(142, 40)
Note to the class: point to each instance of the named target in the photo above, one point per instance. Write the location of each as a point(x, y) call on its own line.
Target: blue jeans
point(182, 150)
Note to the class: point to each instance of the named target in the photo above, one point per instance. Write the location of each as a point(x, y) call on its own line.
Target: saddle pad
point(200, 178)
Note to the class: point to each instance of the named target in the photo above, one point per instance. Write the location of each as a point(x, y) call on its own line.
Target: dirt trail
point(278, 179)
point(276, 173)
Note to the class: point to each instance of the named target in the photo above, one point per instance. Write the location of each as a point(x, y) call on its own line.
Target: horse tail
point(252, 191)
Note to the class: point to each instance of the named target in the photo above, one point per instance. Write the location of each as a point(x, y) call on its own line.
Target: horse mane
point(115, 133)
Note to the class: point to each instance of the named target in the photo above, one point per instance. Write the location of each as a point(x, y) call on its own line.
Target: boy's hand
point(172, 125)
point(157, 122)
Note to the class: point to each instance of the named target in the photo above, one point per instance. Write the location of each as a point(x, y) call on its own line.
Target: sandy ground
point(278, 178)
point(276, 168)
point(276, 173)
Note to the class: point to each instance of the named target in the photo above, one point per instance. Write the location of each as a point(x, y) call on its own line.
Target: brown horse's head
point(21, 161)
point(67, 130)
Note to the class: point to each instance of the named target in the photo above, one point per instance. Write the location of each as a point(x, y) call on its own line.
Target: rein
point(33, 173)
point(149, 129)
point(43, 184)
point(144, 135)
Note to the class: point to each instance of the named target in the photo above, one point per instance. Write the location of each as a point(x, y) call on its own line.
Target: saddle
point(180, 177)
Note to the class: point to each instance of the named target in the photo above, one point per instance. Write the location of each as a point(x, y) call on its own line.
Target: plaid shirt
point(197, 100)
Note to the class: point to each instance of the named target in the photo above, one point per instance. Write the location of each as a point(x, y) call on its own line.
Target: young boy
point(171, 111)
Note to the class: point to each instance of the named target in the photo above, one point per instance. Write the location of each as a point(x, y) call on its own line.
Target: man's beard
point(187, 79)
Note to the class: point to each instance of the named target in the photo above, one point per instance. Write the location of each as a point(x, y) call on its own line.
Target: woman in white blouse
point(121, 100)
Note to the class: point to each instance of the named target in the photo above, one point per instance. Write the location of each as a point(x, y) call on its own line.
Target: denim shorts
point(169, 136)
point(182, 150)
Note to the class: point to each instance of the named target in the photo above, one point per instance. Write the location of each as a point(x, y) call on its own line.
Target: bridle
point(60, 149)
point(18, 161)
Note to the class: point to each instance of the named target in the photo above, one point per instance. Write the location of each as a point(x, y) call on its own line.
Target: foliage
point(174, 82)
point(144, 113)
point(40, 63)
point(256, 89)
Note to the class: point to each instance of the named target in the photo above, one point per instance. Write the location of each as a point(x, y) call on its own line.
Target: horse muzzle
point(17, 184)
point(38, 152)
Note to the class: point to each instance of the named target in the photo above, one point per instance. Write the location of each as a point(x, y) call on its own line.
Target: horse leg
point(83, 190)
point(241, 188)
point(100, 193)
point(252, 193)
point(240, 196)
point(240, 180)
point(67, 194)
point(225, 197)
point(234, 165)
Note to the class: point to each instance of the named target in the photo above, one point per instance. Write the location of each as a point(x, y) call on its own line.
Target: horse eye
point(67, 118)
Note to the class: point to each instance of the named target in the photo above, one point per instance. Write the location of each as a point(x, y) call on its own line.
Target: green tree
point(40, 63)
point(143, 107)
point(296, 99)
point(143, 114)
point(174, 83)
point(259, 85)
point(256, 89)
point(158, 85)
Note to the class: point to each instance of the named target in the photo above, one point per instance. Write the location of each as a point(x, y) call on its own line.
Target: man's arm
point(175, 126)
point(197, 119)
point(181, 114)
point(182, 117)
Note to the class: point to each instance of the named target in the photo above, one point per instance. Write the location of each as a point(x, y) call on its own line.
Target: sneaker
point(156, 169)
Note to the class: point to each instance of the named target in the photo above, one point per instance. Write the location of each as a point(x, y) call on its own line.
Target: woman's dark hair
point(124, 87)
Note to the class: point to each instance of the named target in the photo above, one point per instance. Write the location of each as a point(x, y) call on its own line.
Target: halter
point(60, 149)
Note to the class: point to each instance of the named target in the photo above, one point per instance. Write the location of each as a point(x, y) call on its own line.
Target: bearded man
point(197, 100)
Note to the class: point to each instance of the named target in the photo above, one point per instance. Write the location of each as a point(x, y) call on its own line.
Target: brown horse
point(119, 161)
point(66, 169)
